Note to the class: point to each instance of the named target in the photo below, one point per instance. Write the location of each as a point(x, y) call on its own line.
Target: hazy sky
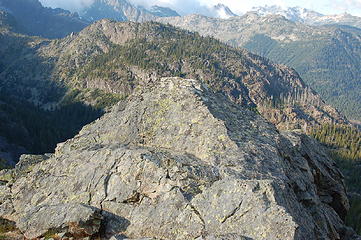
point(238, 6)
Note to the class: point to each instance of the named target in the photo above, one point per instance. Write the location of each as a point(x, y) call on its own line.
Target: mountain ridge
point(335, 53)
point(222, 11)
point(160, 11)
point(114, 37)
point(34, 19)
point(123, 10)
point(183, 157)
point(70, 82)
point(179, 161)
point(303, 15)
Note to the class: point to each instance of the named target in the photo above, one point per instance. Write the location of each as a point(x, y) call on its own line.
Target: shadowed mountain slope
point(85, 73)
point(34, 19)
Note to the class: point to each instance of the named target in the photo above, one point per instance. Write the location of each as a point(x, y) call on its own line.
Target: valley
point(133, 128)
point(326, 57)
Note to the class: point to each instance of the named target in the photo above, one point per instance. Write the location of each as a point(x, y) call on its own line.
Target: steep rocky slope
point(120, 10)
point(123, 10)
point(116, 57)
point(328, 58)
point(34, 19)
point(179, 161)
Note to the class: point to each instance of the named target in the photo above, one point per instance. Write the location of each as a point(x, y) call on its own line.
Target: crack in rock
point(232, 213)
point(199, 215)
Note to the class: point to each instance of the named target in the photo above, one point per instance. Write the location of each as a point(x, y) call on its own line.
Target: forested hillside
point(39, 130)
point(154, 50)
point(328, 58)
point(192, 139)
point(331, 66)
point(105, 62)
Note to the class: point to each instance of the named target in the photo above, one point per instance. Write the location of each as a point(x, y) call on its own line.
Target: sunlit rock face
point(178, 161)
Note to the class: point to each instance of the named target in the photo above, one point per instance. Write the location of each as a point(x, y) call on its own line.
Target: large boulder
point(178, 161)
point(72, 220)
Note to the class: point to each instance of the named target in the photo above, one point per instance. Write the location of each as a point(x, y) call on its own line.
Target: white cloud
point(237, 6)
point(73, 5)
point(182, 6)
point(347, 5)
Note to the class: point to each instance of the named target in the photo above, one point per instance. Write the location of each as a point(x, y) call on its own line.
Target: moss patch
point(6, 226)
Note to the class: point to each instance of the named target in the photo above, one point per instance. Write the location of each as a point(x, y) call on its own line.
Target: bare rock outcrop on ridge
point(178, 161)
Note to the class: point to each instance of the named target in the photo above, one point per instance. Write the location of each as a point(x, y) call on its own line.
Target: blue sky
point(238, 6)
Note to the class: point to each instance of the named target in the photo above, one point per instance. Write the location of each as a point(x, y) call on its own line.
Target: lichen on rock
point(178, 161)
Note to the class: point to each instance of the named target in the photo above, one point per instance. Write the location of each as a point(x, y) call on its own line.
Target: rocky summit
point(178, 161)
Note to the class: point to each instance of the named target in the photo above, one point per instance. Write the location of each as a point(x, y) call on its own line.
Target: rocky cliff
point(178, 161)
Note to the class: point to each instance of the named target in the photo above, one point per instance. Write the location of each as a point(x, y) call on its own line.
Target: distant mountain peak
point(123, 10)
point(163, 11)
point(296, 14)
point(119, 10)
point(223, 11)
point(310, 17)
